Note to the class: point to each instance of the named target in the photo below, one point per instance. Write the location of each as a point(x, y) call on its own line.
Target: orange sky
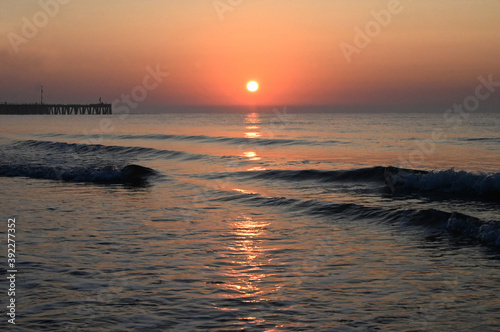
point(429, 53)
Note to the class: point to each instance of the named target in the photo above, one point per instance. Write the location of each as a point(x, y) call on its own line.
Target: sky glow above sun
point(252, 86)
point(319, 52)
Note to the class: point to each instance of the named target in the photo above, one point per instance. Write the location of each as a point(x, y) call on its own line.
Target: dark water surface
point(256, 222)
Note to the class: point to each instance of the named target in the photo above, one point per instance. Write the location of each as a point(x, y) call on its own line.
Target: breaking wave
point(109, 174)
point(485, 186)
point(451, 182)
point(430, 220)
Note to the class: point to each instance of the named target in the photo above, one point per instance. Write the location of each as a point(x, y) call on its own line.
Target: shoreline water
point(243, 222)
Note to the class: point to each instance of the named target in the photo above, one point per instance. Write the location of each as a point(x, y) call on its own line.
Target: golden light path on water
point(252, 121)
point(245, 252)
point(247, 280)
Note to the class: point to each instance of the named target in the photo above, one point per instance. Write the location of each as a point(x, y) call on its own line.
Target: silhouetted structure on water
point(22, 109)
point(69, 109)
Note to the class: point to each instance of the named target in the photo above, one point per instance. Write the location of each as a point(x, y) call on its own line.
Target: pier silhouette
point(65, 109)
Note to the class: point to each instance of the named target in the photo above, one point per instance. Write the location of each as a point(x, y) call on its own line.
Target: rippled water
point(256, 222)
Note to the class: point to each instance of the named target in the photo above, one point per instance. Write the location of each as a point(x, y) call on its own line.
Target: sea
point(250, 221)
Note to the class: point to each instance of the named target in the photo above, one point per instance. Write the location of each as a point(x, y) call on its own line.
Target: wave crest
point(463, 183)
point(108, 174)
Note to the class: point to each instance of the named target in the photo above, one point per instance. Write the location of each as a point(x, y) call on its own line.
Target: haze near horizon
point(340, 53)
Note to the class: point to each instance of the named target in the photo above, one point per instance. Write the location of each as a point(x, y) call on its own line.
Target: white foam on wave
point(487, 232)
point(451, 182)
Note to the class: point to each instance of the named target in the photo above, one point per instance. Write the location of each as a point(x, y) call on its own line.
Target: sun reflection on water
point(251, 155)
point(247, 252)
point(252, 120)
point(257, 168)
point(252, 135)
point(245, 269)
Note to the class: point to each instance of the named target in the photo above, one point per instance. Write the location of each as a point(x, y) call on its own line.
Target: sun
point(252, 86)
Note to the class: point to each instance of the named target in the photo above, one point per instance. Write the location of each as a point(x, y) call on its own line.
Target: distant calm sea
point(252, 222)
